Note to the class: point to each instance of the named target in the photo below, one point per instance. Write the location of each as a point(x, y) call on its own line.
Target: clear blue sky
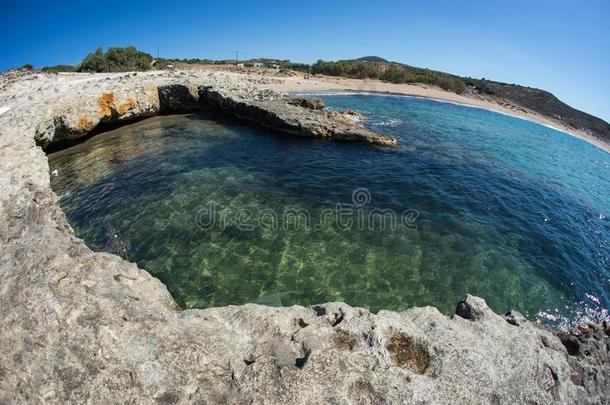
point(560, 46)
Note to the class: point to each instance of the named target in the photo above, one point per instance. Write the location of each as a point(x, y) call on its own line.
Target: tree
point(116, 60)
point(94, 62)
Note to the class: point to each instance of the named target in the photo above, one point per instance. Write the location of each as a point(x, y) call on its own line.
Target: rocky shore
point(84, 104)
point(85, 327)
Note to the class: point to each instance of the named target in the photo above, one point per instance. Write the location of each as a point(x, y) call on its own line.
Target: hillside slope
point(537, 100)
point(550, 106)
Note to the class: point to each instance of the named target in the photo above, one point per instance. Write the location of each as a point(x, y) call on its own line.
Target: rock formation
point(82, 326)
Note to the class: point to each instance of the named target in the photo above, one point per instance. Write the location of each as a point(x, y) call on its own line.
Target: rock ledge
point(80, 326)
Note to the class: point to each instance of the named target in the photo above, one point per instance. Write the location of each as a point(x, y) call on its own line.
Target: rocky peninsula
point(86, 327)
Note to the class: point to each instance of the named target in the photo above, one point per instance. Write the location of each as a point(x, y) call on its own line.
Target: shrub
point(60, 68)
point(116, 60)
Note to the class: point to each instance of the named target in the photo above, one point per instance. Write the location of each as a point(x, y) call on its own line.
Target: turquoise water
point(470, 201)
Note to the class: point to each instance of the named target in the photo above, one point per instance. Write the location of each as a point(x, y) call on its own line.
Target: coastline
point(334, 85)
point(130, 341)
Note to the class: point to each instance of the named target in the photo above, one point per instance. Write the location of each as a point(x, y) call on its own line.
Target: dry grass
point(408, 353)
point(106, 103)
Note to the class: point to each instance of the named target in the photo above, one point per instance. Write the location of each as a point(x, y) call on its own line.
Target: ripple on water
point(500, 210)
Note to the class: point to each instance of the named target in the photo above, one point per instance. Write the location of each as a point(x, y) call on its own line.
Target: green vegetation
point(60, 68)
point(537, 100)
point(193, 61)
point(369, 67)
point(377, 68)
point(116, 60)
point(162, 63)
point(301, 67)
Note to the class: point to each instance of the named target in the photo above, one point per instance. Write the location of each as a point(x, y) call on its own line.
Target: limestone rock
point(86, 327)
point(308, 102)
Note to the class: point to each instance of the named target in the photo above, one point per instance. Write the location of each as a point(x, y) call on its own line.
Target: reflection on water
point(508, 222)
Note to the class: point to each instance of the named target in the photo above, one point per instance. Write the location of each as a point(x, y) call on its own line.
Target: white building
point(259, 65)
point(240, 65)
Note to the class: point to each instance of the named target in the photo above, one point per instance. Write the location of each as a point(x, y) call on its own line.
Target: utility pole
point(157, 51)
point(236, 57)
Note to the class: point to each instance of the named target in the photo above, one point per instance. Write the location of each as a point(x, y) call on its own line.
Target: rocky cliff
point(86, 327)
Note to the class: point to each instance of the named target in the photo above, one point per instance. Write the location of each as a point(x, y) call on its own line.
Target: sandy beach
point(338, 84)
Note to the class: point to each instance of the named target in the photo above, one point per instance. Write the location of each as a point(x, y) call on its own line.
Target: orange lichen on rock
point(106, 103)
point(126, 106)
point(84, 124)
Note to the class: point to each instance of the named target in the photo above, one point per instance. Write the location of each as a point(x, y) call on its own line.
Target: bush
point(395, 74)
point(60, 68)
point(27, 66)
point(116, 60)
point(390, 72)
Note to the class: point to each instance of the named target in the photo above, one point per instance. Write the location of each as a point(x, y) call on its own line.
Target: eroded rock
point(86, 327)
point(313, 103)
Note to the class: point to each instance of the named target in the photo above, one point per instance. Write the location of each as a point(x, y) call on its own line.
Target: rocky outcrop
point(87, 327)
point(313, 103)
point(88, 110)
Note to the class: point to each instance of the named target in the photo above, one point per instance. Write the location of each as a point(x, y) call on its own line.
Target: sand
point(337, 84)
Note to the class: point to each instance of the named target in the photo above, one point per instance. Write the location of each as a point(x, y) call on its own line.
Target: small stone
point(514, 318)
point(308, 102)
point(464, 310)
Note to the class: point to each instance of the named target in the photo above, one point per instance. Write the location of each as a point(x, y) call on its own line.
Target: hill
point(370, 59)
point(537, 100)
point(370, 67)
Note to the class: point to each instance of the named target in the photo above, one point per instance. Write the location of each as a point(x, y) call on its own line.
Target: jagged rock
point(308, 102)
point(353, 115)
point(86, 327)
point(515, 318)
point(464, 310)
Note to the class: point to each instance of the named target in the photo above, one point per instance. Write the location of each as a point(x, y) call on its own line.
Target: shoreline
point(130, 341)
point(336, 85)
point(440, 100)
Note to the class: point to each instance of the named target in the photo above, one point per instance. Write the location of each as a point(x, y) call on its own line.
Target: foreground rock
point(91, 103)
point(80, 326)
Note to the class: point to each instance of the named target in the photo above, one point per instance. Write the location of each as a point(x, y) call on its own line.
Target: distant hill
point(370, 59)
point(540, 101)
point(373, 67)
point(546, 104)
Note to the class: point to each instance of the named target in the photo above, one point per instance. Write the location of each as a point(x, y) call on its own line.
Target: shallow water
point(470, 201)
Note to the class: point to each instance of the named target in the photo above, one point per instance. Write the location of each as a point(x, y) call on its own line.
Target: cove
point(498, 207)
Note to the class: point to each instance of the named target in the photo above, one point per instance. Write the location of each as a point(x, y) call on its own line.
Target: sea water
point(469, 202)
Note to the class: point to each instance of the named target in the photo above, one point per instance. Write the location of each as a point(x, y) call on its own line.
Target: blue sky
point(560, 46)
